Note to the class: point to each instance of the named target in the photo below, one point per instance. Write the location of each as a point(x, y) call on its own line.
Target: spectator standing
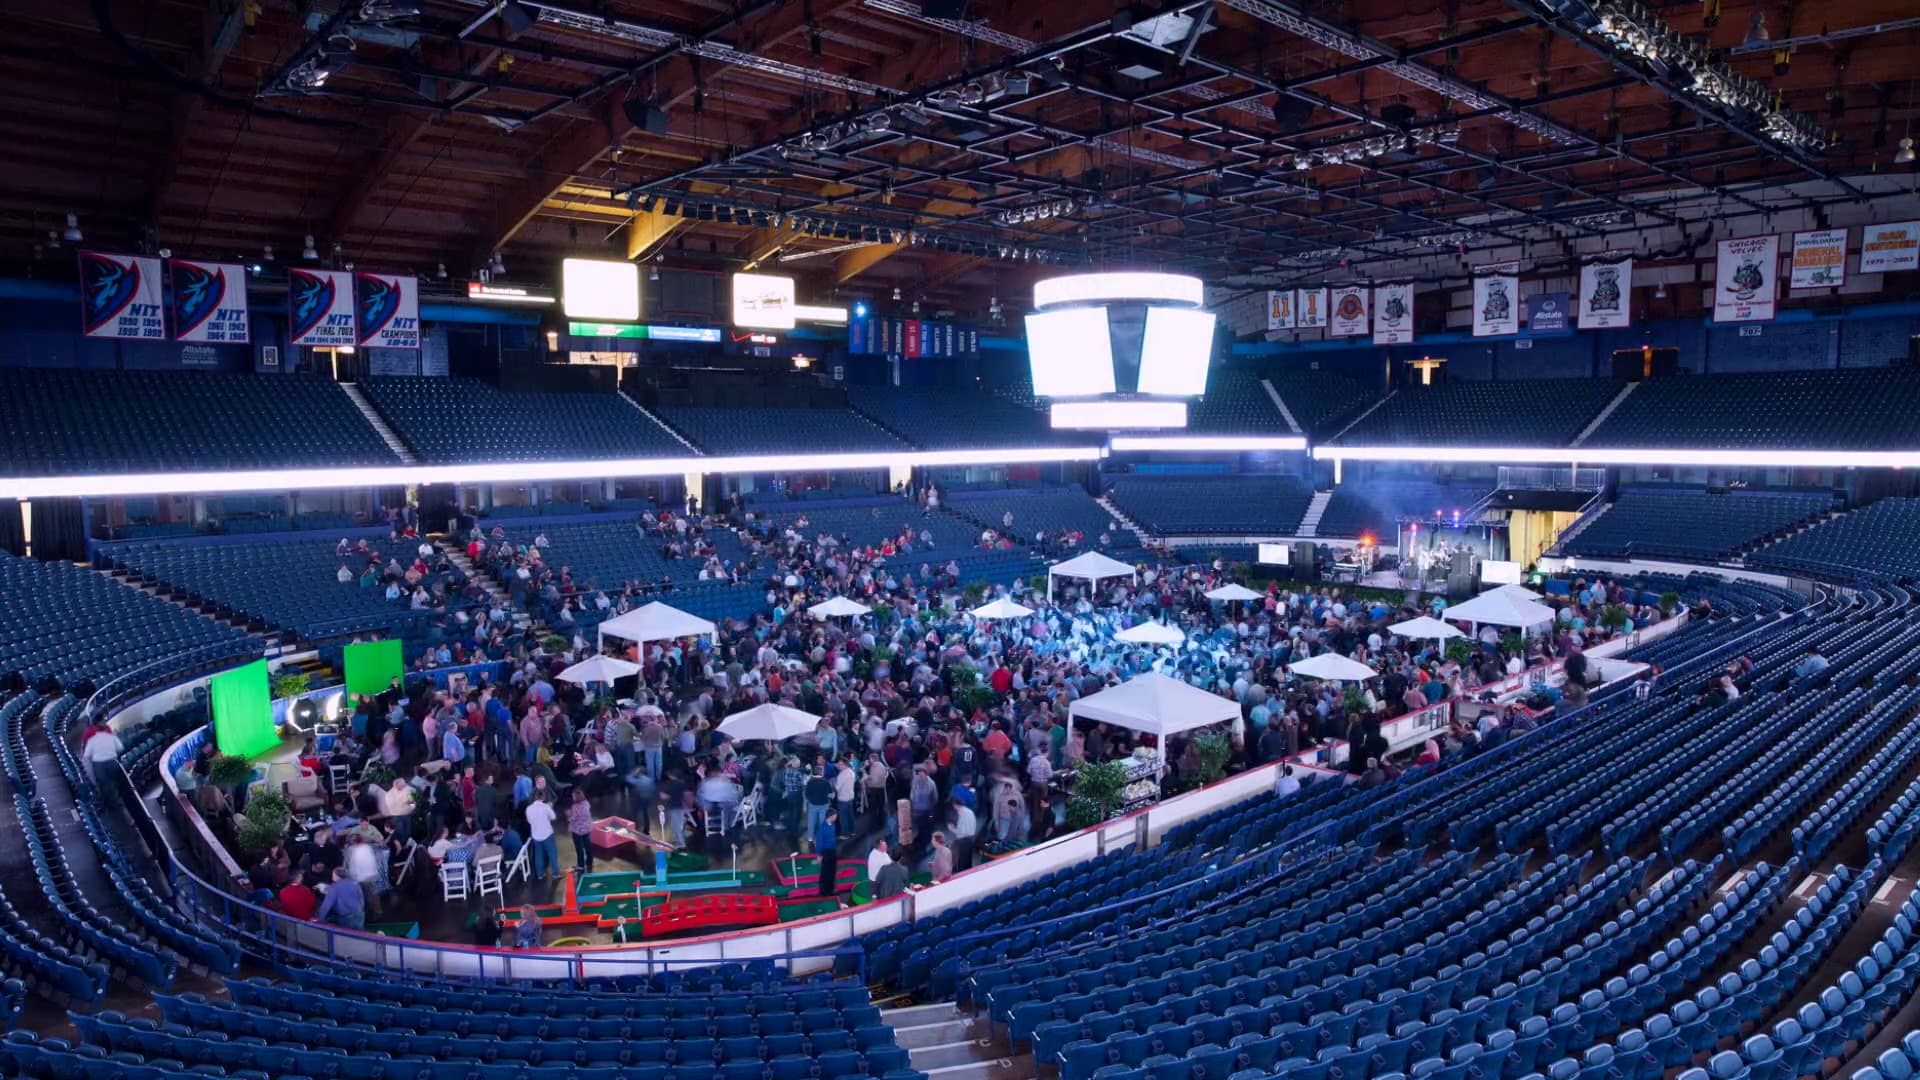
point(546, 851)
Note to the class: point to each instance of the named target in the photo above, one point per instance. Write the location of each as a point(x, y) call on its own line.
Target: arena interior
point(959, 540)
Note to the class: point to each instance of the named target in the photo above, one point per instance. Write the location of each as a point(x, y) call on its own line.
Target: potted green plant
point(1458, 649)
point(1615, 617)
point(975, 593)
point(1513, 643)
point(1100, 783)
point(229, 772)
point(554, 643)
point(1213, 750)
point(378, 775)
point(290, 684)
point(1354, 698)
point(1669, 603)
point(269, 809)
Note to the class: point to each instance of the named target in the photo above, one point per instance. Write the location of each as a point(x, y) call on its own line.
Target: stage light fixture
point(1904, 155)
point(307, 250)
point(72, 234)
point(498, 266)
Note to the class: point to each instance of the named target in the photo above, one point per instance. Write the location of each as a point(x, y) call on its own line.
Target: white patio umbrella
point(768, 721)
point(839, 605)
point(1332, 667)
point(1151, 633)
point(600, 669)
point(1426, 627)
point(1002, 608)
point(1233, 592)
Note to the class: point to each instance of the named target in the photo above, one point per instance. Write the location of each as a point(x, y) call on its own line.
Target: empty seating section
point(735, 432)
point(1235, 404)
point(69, 623)
point(1693, 524)
point(1875, 542)
point(62, 421)
point(957, 418)
point(447, 421)
point(289, 584)
point(1519, 412)
point(1054, 510)
point(1848, 409)
point(1320, 400)
point(1375, 507)
point(1202, 505)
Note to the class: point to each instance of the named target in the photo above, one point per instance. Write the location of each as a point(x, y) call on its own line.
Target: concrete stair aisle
point(457, 555)
point(379, 424)
point(947, 1044)
point(1595, 423)
point(1126, 522)
point(1317, 509)
point(1281, 404)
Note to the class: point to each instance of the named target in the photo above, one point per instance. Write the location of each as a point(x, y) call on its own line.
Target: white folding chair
point(748, 813)
point(487, 875)
point(521, 866)
point(453, 881)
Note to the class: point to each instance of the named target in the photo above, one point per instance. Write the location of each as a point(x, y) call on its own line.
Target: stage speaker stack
point(1463, 580)
point(1305, 563)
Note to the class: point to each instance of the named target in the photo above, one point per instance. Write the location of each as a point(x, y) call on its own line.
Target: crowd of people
point(941, 737)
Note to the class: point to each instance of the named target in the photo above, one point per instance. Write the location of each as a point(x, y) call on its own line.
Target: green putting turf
point(616, 882)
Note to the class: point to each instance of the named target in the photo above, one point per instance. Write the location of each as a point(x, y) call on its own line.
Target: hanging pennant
point(1746, 279)
point(120, 297)
point(209, 302)
point(320, 308)
point(1393, 314)
point(1309, 308)
point(1606, 295)
point(1893, 246)
point(1496, 300)
point(1348, 317)
point(1280, 310)
point(389, 310)
point(1819, 259)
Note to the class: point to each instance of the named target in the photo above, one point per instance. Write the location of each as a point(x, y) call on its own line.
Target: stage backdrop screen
point(372, 666)
point(243, 711)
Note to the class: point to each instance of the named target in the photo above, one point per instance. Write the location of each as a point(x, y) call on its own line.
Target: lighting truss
point(1633, 28)
point(1784, 458)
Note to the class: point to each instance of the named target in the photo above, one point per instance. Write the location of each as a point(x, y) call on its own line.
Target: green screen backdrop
point(243, 711)
point(373, 665)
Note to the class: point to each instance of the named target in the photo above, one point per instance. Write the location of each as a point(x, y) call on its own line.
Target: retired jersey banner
point(1819, 259)
point(1745, 279)
point(1393, 314)
point(1309, 308)
point(1606, 295)
point(1496, 300)
point(1893, 246)
point(1348, 316)
point(1280, 310)
point(389, 310)
point(320, 307)
point(209, 302)
point(120, 297)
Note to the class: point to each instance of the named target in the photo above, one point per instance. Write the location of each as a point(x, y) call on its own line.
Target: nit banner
point(389, 310)
point(209, 302)
point(320, 307)
point(120, 297)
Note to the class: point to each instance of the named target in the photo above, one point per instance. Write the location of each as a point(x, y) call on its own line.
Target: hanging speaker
point(645, 115)
point(944, 9)
point(1290, 113)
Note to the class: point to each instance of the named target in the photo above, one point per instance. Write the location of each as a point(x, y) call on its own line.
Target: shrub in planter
point(255, 837)
point(269, 808)
point(1100, 782)
point(1214, 750)
point(1669, 603)
point(1458, 649)
point(229, 772)
point(1082, 812)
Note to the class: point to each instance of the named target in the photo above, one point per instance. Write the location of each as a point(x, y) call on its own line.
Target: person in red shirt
point(1002, 680)
point(997, 744)
point(298, 900)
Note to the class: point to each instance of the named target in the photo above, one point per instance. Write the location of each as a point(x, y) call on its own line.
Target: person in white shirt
point(965, 825)
point(1285, 783)
point(877, 860)
point(546, 852)
point(344, 576)
point(101, 752)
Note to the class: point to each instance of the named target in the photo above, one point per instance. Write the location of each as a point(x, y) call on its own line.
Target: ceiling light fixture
point(307, 250)
point(72, 234)
point(498, 266)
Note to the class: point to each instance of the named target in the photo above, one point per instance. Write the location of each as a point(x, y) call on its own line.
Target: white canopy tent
point(1234, 591)
point(1002, 608)
point(1332, 667)
point(655, 622)
point(1497, 608)
point(768, 721)
point(600, 669)
point(1091, 567)
point(1517, 592)
point(1426, 626)
point(1157, 705)
point(839, 605)
point(1151, 633)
